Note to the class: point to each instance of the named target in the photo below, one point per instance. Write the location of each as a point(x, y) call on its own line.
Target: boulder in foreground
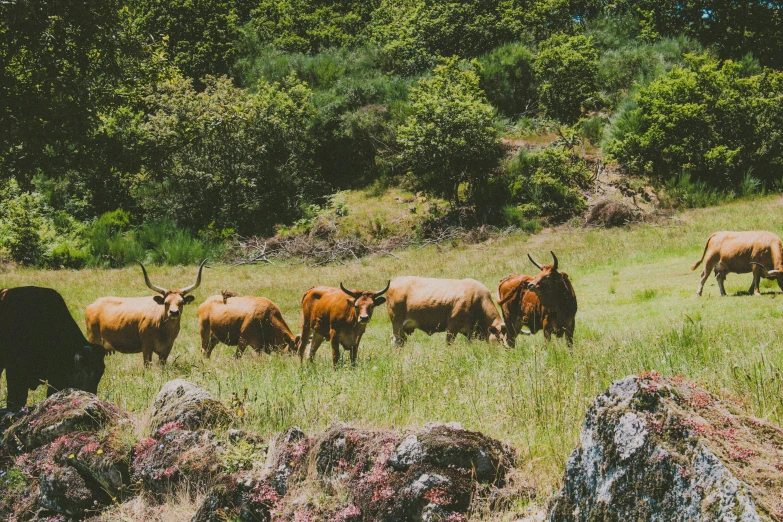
point(663, 449)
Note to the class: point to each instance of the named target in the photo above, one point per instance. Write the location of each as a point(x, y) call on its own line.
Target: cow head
point(549, 285)
point(498, 333)
point(173, 300)
point(777, 274)
point(365, 302)
point(88, 368)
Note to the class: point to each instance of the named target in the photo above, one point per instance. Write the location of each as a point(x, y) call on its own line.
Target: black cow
point(40, 342)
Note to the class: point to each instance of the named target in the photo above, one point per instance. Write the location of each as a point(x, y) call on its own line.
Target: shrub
point(567, 68)
point(24, 226)
point(548, 184)
point(507, 79)
point(67, 255)
point(450, 137)
point(709, 119)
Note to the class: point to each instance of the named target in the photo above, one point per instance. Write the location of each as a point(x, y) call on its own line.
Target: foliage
point(222, 158)
point(310, 26)
point(733, 28)
point(61, 64)
point(567, 69)
point(709, 119)
point(508, 80)
point(450, 137)
point(548, 183)
point(199, 36)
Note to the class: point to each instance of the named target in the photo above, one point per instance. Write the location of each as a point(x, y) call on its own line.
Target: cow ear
point(189, 299)
point(378, 301)
point(159, 299)
point(351, 301)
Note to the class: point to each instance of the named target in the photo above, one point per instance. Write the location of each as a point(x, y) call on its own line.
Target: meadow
point(638, 311)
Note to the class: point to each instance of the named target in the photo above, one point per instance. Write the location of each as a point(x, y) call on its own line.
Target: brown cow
point(140, 324)
point(242, 321)
point(443, 305)
point(543, 302)
point(740, 253)
point(328, 314)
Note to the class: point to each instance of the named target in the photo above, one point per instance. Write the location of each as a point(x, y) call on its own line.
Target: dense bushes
point(508, 80)
point(547, 184)
point(567, 68)
point(710, 119)
point(450, 139)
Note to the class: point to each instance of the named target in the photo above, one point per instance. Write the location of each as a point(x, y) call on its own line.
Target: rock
point(286, 456)
point(433, 477)
point(64, 412)
point(177, 456)
point(663, 449)
point(189, 406)
point(63, 490)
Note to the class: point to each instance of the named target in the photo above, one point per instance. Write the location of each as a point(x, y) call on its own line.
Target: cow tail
point(706, 246)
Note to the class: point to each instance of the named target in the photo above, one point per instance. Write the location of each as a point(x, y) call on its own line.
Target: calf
point(241, 322)
point(41, 343)
point(443, 305)
point(545, 302)
point(340, 315)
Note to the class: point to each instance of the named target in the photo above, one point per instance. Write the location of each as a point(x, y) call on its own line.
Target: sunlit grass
point(637, 311)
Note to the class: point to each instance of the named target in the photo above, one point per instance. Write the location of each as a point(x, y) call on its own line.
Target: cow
point(434, 305)
point(242, 321)
point(40, 342)
point(740, 253)
point(546, 301)
point(140, 324)
point(337, 314)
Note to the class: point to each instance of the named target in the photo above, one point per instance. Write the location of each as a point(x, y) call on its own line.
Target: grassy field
point(637, 311)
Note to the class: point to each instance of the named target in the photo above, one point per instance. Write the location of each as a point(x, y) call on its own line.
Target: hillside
point(637, 312)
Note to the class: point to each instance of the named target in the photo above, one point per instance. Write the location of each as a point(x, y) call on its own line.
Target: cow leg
point(207, 345)
point(146, 354)
point(303, 339)
point(17, 390)
point(721, 277)
point(354, 354)
point(569, 334)
point(754, 284)
point(708, 266)
point(241, 346)
point(398, 334)
point(450, 335)
point(314, 344)
point(334, 338)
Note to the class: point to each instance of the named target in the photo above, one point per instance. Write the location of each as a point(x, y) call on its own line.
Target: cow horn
point(532, 261)
point(355, 295)
point(192, 287)
point(147, 280)
point(769, 272)
point(554, 267)
point(378, 294)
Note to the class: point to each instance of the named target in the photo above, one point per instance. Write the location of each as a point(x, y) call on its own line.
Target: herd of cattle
point(41, 343)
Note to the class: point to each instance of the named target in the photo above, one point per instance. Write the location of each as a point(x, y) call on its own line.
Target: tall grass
point(637, 311)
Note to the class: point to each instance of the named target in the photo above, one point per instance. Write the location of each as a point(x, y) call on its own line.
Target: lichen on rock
point(664, 449)
point(191, 406)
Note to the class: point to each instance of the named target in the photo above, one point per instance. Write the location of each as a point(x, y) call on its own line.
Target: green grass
point(637, 311)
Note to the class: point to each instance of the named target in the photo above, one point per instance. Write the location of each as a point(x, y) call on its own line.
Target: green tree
point(309, 26)
point(450, 137)
point(224, 158)
point(508, 80)
point(567, 69)
point(711, 119)
point(61, 64)
point(200, 36)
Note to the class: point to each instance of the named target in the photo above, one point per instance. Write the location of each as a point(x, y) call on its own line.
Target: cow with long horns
point(140, 324)
point(546, 301)
point(337, 314)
